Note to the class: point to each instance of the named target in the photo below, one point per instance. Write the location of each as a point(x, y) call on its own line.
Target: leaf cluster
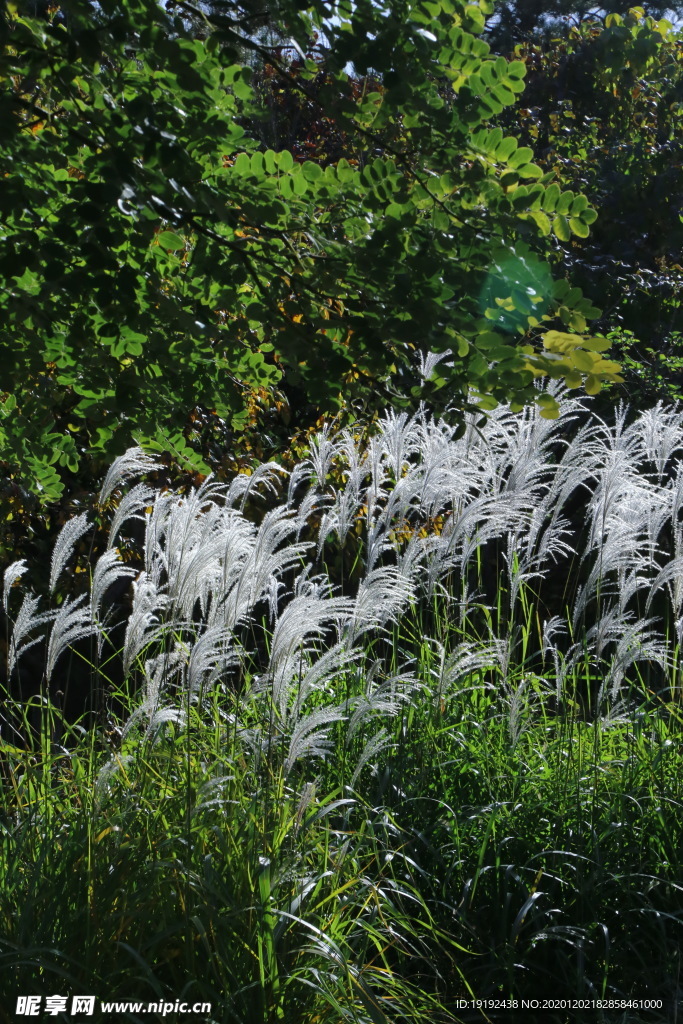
point(157, 256)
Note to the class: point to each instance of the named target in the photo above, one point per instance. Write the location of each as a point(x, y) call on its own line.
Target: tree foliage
point(603, 109)
point(158, 256)
point(525, 21)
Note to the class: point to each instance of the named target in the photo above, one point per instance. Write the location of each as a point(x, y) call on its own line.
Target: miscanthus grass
point(409, 736)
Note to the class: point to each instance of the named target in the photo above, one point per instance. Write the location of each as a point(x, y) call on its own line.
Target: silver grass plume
point(158, 674)
point(322, 676)
point(107, 773)
point(430, 361)
point(143, 624)
point(211, 656)
point(310, 736)
point(467, 661)
point(26, 621)
point(399, 442)
point(265, 560)
point(129, 464)
point(518, 704)
point(551, 629)
point(13, 573)
point(637, 643)
point(138, 498)
point(108, 570)
point(340, 518)
point(381, 596)
point(322, 453)
point(70, 533)
point(303, 621)
point(671, 577)
point(376, 745)
point(305, 800)
point(661, 433)
point(241, 487)
point(72, 623)
point(156, 563)
point(385, 698)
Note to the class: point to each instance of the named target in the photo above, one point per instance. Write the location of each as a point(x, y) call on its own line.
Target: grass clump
point(413, 739)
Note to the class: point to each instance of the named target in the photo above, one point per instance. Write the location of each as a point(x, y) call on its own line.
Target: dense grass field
point(388, 735)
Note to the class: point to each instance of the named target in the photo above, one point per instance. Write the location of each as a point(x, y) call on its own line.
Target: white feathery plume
point(64, 545)
point(156, 563)
point(517, 568)
point(430, 361)
point(103, 782)
point(620, 552)
point(671, 577)
point(272, 595)
point(676, 508)
point(310, 736)
point(468, 659)
point(399, 440)
point(411, 560)
point(517, 703)
point(376, 489)
point(384, 698)
point(268, 473)
point(188, 521)
point(262, 563)
point(637, 643)
point(143, 624)
point(341, 516)
point(160, 718)
point(13, 573)
point(376, 745)
point(322, 451)
point(157, 675)
point(322, 674)
point(25, 622)
point(236, 545)
point(210, 657)
point(381, 596)
point(308, 505)
point(129, 464)
point(108, 569)
point(304, 620)
point(306, 799)
point(609, 628)
point(192, 554)
point(72, 623)
point(355, 461)
point(661, 431)
point(376, 542)
point(402, 500)
point(552, 544)
point(552, 627)
point(306, 585)
point(139, 497)
point(300, 473)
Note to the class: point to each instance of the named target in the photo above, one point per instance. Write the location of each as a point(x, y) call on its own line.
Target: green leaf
point(541, 220)
point(561, 228)
point(242, 164)
point(552, 194)
point(311, 171)
point(578, 227)
point(169, 240)
point(505, 150)
point(284, 160)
